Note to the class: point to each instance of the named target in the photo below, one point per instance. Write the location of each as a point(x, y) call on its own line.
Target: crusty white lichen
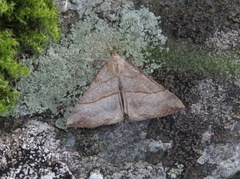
point(133, 32)
point(176, 171)
point(59, 77)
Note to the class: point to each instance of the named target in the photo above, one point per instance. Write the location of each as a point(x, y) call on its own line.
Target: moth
point(120, 89)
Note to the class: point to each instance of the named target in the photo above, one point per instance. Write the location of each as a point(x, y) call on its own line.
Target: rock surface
point(202, 142)
point(29, 152)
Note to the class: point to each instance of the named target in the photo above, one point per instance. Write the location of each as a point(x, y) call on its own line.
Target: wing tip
point(77, 122)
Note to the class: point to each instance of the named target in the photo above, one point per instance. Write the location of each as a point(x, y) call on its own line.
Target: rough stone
point(202, 142)
point(28, 152)
point(96, 175)
point(221, 40)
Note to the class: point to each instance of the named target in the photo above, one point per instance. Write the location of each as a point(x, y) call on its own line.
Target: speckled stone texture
point(200, 143)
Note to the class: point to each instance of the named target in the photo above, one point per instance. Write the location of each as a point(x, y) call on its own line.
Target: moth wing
point(143, 97)
point(100, 105)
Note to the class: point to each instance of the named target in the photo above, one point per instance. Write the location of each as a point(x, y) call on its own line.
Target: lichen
point(176, 171)
point(59, 77)
point(56, 79)
point(133, 32)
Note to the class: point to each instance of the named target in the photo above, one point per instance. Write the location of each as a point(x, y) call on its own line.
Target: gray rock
point(96, 175)
point(202, 142)
point(29, 152)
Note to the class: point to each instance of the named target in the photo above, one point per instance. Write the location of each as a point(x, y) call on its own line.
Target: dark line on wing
point(99, 99)
point(145, 92)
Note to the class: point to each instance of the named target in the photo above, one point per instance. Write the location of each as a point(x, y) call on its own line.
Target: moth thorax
point(116, 65)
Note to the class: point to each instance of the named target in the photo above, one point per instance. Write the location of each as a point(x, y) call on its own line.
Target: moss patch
point(202, 61)
point(33, 22)
point(25, 25)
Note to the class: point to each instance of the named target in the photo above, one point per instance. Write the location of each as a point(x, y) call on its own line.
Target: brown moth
point(119, 89)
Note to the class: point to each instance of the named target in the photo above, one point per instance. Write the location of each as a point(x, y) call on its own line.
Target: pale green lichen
point(133, 32)
point(61, 75)
point(176, 171)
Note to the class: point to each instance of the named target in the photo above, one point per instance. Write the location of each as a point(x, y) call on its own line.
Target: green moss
point(24, 25)
point(9, 71)
point(6, 7)
point(33, 22)
point(206, 62)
